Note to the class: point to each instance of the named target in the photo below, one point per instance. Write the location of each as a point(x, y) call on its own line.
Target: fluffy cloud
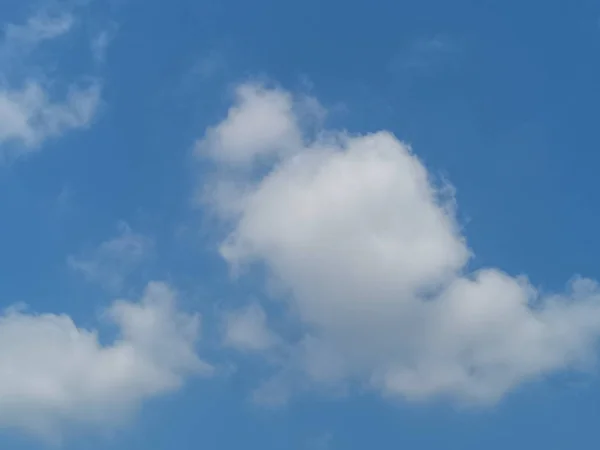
point(29, 113)
point(263, 122)
point(113, 260)
point(54, 374)
point(373, 263)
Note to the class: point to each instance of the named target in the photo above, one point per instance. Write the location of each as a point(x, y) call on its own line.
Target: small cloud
point(247, 330)
point(28, 116)
point(37, 29)
point(64, 200)
point(426, 55)
point(208, 66)
point(100, 43)
point(206, 69)
point(262, 124)
point(114, 260)
point(274, 393)
point(29, 112)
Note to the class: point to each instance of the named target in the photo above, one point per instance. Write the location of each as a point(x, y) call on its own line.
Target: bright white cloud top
point(375, 265)
point(54, 373)
point(260, 124)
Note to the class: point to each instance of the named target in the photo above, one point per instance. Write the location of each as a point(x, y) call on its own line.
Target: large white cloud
point(54, 374)
point(374, 265)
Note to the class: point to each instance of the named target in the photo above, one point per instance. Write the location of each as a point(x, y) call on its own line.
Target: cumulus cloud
point(54, 374)
point(261, 124)
point(374, 265)
point(29, 112)
point(113, 260)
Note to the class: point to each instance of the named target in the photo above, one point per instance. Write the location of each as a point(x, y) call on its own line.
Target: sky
point(315, 225)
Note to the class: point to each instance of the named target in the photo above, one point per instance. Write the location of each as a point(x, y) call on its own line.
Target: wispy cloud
point(100, 43)
point(37, 29)
point(426, 55)
point(208, 66)
point(114, 260)
point(29, 116)
point(246, 329)
point(30, 112)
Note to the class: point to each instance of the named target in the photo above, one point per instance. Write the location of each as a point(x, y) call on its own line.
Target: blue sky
point(301, 225)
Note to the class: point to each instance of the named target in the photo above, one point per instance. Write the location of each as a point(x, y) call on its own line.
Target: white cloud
point(29, 113)
point(374, 262)
point(260, 125)
point(427, 56)
point(115, 259)
point(246, 329)
point(29, 116)
point(55, 375)
point(100, 43)
point(38, 28)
